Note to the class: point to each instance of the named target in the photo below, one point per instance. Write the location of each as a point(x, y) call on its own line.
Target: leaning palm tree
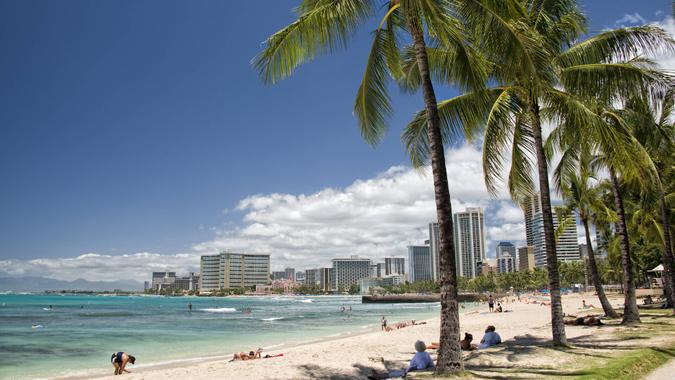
point(573, 180)
point(543, 74)
point(325, 25)
point(652, 126)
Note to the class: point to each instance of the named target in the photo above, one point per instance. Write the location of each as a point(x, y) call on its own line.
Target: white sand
point(354, 356)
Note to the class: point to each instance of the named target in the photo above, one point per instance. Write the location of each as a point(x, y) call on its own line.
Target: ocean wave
point(219, 310)
point(307, 301)
point(106, 314)
point(272, 319)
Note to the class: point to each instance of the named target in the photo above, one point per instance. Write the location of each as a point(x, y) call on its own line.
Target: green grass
point(634, 365)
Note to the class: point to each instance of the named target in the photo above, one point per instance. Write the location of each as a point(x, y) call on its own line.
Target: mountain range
point(40, 284)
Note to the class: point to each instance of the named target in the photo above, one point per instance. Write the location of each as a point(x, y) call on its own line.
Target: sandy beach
point(356, 356)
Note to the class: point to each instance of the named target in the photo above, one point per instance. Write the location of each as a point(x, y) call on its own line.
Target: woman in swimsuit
point(119, 361)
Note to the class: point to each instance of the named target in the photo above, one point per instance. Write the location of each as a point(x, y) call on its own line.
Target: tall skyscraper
point(531, 206)
point(506, 257)
point(469, 241)
point(567, 248)
point(290, 273)
point(348, 271)
point(419, 263)
point(394, 265)
point(234, 270)
point(434, 249)
point(525, 258)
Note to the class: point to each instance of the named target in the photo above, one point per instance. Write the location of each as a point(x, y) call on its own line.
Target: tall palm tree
point(325, 25)
point(542, 74)
point(580, 195)
point(653, 127)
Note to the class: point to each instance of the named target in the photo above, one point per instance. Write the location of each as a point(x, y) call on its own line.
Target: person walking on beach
point(491, 303)
point(383, 322)
point(119, 360)
point(190, 306)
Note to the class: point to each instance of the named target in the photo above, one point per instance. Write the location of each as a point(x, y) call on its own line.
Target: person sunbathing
point(244, 356)
point(491, 338)
point(586, 306)
point(588, 320)
point(421, 361)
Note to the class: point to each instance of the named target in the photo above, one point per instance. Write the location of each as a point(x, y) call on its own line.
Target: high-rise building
point(394, 265)
point(312, 277)
point(319, 277)
point(279, 275)
point(300, 277)
point(434, 250)
point(146, 285)
point(567, 247)
point(290, 273)
point(583, 251)
point(531, 206)
point(525, 258)
point(469, 241)
point(419, 263)
point(163, 280)
point(348, 271)
point(381, 271)
point(234, 270)
point(506, 257)
point(189, 282)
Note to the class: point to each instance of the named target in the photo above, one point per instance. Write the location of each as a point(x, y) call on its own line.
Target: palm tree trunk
point(449, 352)
point(630, 310)
point(606, 306)
point(668, 262)
point(557, 324)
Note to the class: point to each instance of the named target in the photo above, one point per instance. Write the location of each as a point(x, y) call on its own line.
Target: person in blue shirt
point(491, 338)
point(421, 361)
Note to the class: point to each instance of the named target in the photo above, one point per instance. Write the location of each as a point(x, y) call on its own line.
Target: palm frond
point(322, 26)
point(372, 106)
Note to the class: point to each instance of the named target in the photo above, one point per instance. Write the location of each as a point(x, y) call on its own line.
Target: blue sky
point(140, 126)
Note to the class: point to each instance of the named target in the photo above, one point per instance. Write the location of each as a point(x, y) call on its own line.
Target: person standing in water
point(383, 322)
point(190, 306)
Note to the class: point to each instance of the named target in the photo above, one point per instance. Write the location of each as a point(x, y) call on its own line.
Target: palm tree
point(325, 25)
point(653, 128)
point(542, 74)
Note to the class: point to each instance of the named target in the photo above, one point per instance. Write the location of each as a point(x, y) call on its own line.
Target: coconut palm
point(543, 75)
point(580, 195)
point(323, 26)
point(652, 126)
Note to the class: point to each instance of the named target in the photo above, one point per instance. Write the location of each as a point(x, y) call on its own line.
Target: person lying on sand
point(588, 320)
point(421, 361)
point(244, 356)
point(120, 360)
point(491, 338)
point(586, 306)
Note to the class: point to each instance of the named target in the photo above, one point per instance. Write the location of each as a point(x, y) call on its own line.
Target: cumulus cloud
point(631, 19)
point(96, 267)
point(373, 217)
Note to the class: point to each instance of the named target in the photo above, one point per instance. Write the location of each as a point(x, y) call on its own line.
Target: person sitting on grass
point(465, 343)
point(120, 360)
point(491, 338)
point(421, 361)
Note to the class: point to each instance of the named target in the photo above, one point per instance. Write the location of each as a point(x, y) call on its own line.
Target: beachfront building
point(469, 229)
point(583, 251)
point(187, 283)
point(372, 285)
point(525, 258)
point(146, 285)
point(290, 273)
point(419, 263)
point(279, 275)
point(393, 265)
point(319, 277)
point(434, 250)
point(233, 270)
point(488, 266)
point(163, 280)
point(506, 257)
point(567, 248)
point(348, 271)
point(300, 277)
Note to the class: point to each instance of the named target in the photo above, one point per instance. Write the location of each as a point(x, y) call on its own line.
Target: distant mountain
point(39, 284)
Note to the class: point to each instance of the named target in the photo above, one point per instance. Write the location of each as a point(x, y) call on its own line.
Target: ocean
point(79, 334)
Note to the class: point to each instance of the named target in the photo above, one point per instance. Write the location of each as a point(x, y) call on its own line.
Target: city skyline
point(170, 186)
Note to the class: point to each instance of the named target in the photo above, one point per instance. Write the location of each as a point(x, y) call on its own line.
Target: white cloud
point(372, 217)
point(631, 20)
point(96, 267)
point(667, 61)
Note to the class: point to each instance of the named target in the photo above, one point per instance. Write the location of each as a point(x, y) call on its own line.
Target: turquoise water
point(81, 332)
